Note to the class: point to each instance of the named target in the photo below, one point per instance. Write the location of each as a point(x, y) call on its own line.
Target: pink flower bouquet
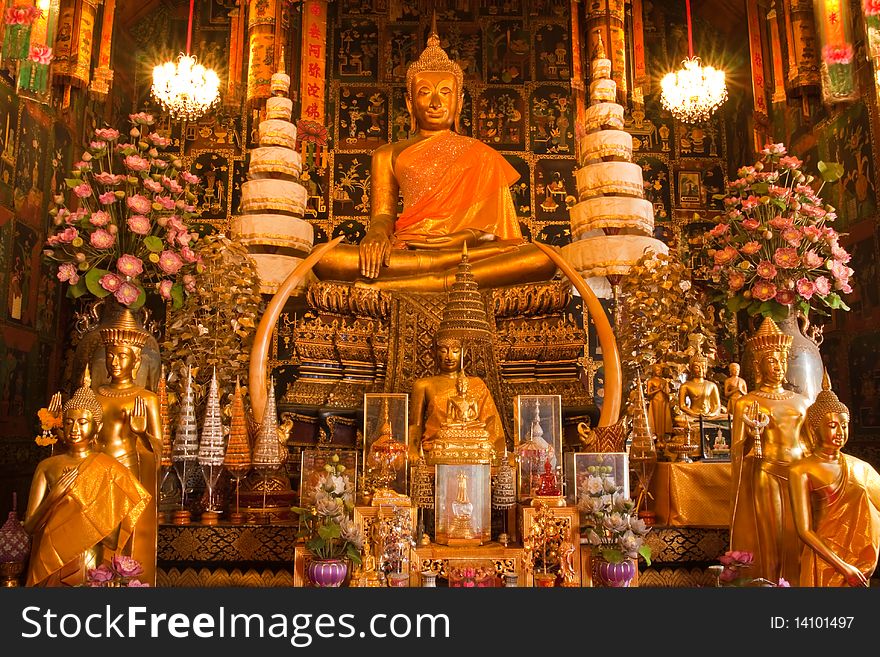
point(774, 248)
point(126, 232)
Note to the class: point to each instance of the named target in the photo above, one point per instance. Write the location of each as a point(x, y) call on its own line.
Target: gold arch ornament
point(258, 370)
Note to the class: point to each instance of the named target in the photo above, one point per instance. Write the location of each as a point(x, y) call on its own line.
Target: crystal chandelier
point(186, 89)
point(694, 92)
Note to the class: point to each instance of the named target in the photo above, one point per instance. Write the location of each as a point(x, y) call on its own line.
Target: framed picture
point(386, 443)
point(580, 466)
point(312, 469)
point(689, 187)
point(715, 439)
point(538, 430)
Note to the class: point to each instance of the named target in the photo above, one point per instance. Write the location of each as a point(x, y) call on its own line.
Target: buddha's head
point(828, 419)
point(434, 89)
point(448, 352)
point(769, 348)
point(733, 368)
point(657, 369)
point(699, 366)
point(82, 417)
point(123, 341)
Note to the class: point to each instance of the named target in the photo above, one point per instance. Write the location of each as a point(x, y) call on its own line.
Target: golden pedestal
point(437, 559)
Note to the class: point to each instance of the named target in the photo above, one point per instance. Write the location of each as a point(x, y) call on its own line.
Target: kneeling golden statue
point(83, 505)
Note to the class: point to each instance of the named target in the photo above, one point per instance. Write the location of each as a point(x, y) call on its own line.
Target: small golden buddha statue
point(698, 396)
point(456, 191)
point(835, 501)
point(462, 511)
point(83, 504)
point(132, 427)
point(762, 521)
point(659, 403)
point(734, 385)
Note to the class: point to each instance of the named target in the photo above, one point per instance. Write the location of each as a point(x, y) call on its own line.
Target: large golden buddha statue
point(835, 500)
point(456, 191)
point(765, 442)
point(132, 427)
point(83, 504)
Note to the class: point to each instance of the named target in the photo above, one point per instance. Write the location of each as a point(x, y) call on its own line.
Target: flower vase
point(805, 368)
point(612, 575)
point(326, 573)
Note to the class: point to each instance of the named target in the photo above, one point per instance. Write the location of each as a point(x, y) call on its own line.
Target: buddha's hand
point(138, 418)
point(854, 576)
point(454, 240)
point(375, 251)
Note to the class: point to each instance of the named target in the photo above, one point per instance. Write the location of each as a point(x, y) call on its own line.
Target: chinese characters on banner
point(759, 90)
point(314, 54)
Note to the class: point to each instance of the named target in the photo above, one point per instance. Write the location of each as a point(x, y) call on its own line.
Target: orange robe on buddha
point(103, 497)
point(450, 183)
point(846, 519)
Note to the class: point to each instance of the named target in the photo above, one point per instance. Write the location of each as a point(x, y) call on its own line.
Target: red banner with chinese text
point(314, 55)
point(756, 52)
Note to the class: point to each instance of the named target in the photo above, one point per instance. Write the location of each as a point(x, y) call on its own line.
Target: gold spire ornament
point(642, 455)
point(464, 315)
point(238, 450)
point(211, 448)
point(164, 413)
point(385, 458)
point(826, 402)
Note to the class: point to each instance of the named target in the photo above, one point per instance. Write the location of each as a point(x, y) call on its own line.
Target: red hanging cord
point(189, 29)
point(690, 32)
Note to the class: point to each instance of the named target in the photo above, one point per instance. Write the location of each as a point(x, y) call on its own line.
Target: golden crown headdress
point(434, 58)
point(769, 338)
point(124, 331)
point(84, 399)
point(826, 402)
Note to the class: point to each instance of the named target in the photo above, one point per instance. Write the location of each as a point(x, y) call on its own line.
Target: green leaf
point(761, 188)
point(327, 532)
point(72, 182)
point(92, 278)
point(352, 552)
point(76, 291)
point(645, 552)
point(830, 171)
point(612, 555)
point(153, 243)
point(719, 197)
point(177, 296)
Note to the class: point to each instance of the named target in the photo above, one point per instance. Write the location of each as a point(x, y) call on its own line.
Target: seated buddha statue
point(698, 396)
point(835, 501)
point(132, 428)
point(83, 504)
point(456, 191)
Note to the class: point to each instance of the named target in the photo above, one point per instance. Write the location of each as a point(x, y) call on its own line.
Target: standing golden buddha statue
point(83, 505)
point(734, 385)
point(835, 500)
point(456, 191)
point(132, 428)
point(765, 441)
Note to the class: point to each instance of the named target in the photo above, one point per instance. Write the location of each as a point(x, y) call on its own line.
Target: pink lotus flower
point(189, 283)
point(107, 198)
point(97, 145)
point(725, 255)
point(719, 230)
point(108, 134)
point(165, 289)
point(871, 7)
point(83, 165)
point(735, 281)
point(110, 282)
point(792, 236)
point(190, 178)
point(766, 269)
point(750, 203)
point(170, 262)
point(750, 248)
point(40, 54)
point(783, 583)
point(806, 288)
point(189, 255)
point(100, 574)
point(787, 258)
point(83, 190)
point(812, 233)
point(126, 566)
point(21, 15)
point(785, 297)
point(840, 271)
point(751, 224)
point(139, 224)
point(159, 163)
point(781, 223)
point(136, 583)
point(728, 575)
point(127, 293)
point(101, 239)
point(158, 140)
point(107, 178)
point(790, 162)
point(813, 259)
point(166, 202)
point(99, 218)
point(842, 286)
point(153, 185)
point(140, 204)
point(773, 149)
point(840, 254)
point(184, 239)
point(142, 118)
point(763, 291)
point(823, 286)
point(172, 185)
point(67, 272)
point(66, 236)
point(136, 163)
point(839, 55)
point(129, 265)
point(777, 192)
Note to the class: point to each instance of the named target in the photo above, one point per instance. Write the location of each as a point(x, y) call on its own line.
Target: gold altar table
point(692, 494)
